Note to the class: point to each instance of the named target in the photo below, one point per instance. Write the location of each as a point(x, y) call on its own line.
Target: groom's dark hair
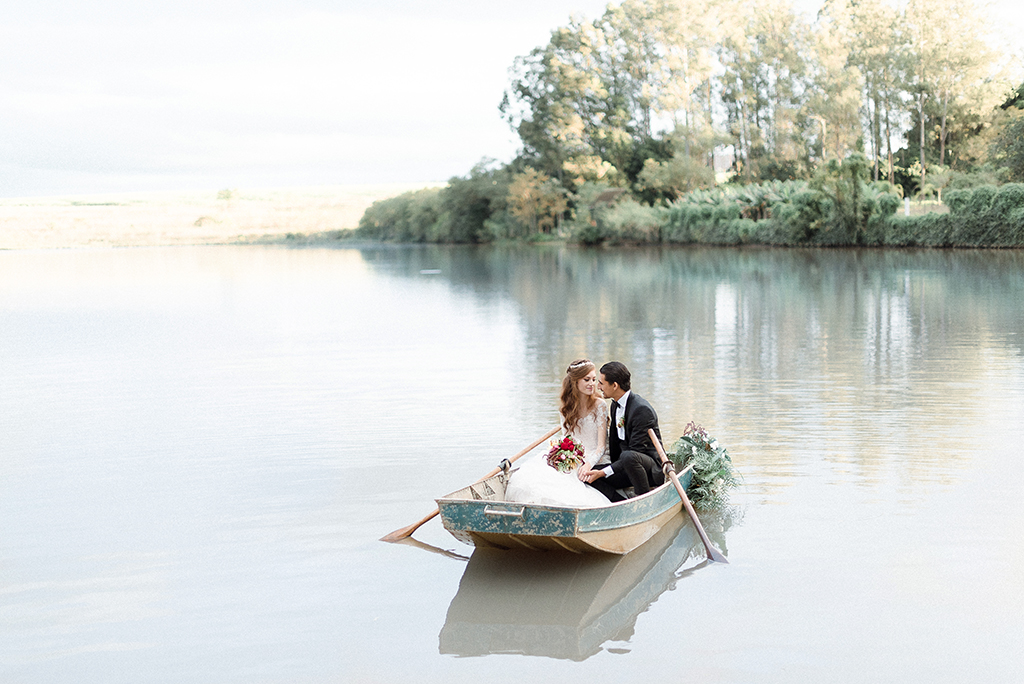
point(613, 371)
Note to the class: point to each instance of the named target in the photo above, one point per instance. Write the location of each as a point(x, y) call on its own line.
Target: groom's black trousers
point(633, 469)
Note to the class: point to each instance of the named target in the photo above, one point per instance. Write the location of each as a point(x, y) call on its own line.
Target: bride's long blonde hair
point(574, 404)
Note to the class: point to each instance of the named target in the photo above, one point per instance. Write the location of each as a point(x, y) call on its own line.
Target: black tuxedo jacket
point(640, 417)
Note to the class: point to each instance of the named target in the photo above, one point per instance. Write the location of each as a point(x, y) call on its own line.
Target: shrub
point(587, 225)
point(742, 230)
point(631, 221)
point(902, 231)
point(810, 207)
point(957, 200)
point(981, 199)
point(961, 180)
point(409, 217)
point(889, 204)
point(1008, 198)
point(936, 229)
point(726, 212)
point(1015, 228)
point(468, 202)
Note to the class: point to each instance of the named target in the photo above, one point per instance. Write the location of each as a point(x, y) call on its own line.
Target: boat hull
point(479, 515)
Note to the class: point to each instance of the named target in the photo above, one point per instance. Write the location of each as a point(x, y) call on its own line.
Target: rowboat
point(480, 516)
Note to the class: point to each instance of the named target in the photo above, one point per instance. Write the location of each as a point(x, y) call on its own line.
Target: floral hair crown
point(578, 364)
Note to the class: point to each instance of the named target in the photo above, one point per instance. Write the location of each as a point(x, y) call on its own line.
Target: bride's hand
point(588, 476)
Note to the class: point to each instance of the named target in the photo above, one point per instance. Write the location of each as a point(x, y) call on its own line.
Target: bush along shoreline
point(839, 207)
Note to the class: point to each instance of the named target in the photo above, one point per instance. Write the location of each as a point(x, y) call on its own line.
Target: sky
point(106, 96)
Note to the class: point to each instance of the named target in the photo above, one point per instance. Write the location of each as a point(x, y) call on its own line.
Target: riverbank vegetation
point(730, 123)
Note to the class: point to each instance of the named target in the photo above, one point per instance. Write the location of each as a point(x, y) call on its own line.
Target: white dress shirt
point(620, 427)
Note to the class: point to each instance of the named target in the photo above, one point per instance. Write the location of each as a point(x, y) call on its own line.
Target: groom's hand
point(591, 475)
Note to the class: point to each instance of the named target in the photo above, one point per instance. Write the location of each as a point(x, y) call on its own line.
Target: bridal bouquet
point(566, 455)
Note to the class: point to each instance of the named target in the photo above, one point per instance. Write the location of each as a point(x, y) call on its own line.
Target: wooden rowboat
point(479, 515)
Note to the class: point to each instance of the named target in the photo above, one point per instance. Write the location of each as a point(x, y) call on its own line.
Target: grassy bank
point(839, 206)
point(285, 215)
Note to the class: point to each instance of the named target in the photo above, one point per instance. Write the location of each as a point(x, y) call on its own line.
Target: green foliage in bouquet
point(713, 473)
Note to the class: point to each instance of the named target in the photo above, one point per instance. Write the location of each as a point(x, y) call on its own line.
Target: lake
point(201, 446)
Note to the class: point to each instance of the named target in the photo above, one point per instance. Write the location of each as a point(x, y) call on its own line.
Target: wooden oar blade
point(717, 556)
point(399, 535)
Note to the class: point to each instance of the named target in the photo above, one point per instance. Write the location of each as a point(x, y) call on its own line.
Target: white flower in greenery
point(713, 474)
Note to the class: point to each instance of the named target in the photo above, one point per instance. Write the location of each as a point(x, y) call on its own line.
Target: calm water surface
point(199, 448)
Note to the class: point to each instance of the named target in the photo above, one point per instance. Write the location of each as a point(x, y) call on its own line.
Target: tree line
point(622, 119)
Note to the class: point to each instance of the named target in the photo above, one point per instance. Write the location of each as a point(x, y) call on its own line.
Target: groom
point(634, 458)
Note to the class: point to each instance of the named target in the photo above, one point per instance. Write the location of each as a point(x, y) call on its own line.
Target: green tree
point(585, 105)
point(951, 72)
point(1008, 147)
point(763, 53)
point(467, 203)
point(684, 171)
point(691, 103)
point(536, 201)
point(881, 52)
point(834, 103)
point(556, 98)
point(962, 64)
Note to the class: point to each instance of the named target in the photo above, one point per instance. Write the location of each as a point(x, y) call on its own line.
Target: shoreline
point(212, 217)
point(301, 216)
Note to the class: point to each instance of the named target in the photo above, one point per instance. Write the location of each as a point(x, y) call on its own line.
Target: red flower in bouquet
point(566, 455)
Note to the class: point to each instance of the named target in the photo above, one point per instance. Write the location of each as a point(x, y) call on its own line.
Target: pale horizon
point(118, 97)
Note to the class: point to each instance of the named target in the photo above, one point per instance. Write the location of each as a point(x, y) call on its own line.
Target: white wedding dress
point(538, 483)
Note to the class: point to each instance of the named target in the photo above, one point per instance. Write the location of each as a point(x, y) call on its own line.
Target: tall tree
point(880, 50)
point(961, 62)
point(952, 67)
point(558, 98)
point(764, 81)
point(693, 63)
point(1008, 146)
point(536, 201)
point(585, 104)
point(834, 100)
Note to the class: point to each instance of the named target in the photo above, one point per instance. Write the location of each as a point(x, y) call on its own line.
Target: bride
point(584, 417)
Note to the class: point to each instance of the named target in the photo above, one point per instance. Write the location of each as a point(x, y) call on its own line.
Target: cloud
point(111, 95)
point(137, 94)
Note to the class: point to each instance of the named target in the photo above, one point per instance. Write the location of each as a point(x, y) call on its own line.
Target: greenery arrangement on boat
point(713, 473)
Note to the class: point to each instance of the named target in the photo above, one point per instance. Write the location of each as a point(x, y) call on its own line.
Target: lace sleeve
point(594, 433)
point(603, 416)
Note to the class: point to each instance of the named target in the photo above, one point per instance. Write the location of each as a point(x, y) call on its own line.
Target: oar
point(398, 535)
point(713, 553)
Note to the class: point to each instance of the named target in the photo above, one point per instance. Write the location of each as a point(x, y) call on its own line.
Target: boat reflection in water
point(563, 605)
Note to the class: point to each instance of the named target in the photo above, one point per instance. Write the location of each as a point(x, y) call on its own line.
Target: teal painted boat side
point(630, 511)
point(506, 517)
point(481, 509)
